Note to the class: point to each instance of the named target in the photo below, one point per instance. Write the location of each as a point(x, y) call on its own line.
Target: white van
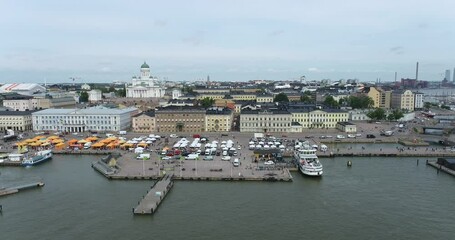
point(192, 157)
point(122, 132)
point(87, 145)
point(236, 162)
point(225, 153)
point(109, 135)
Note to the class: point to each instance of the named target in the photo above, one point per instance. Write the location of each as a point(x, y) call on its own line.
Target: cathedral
point(144, 86)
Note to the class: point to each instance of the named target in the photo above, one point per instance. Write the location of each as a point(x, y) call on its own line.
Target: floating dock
point(150, 202)
point(441, 168)
point(12, 190)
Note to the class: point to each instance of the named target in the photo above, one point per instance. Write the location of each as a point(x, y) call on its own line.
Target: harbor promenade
point(150, 202)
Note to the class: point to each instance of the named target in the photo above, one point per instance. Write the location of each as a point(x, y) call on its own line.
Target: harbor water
point(376, 198)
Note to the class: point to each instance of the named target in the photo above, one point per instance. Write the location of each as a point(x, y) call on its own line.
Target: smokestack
point(453, 75)
point(395, 76)
point(417, 71)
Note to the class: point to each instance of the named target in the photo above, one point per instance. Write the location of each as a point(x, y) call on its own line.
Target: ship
point(39, 157)
point(308, 161)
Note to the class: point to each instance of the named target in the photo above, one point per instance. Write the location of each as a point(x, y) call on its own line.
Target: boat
point(40, 157)
point(308, 161)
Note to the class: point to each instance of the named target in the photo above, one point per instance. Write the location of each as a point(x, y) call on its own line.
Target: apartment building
point(218, 120)
point(16, 120)
point(180, 119)
point(403, 99)
point(144, 122)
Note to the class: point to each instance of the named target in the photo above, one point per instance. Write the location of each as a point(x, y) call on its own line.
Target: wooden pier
point(150, 202)
point(441, 168)
point(12, 190)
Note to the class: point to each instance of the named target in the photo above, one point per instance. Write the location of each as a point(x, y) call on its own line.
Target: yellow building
point(403, 100)
point(213, 96)
point(261, 98)
point(16, 120)
point(144, 122)
point(318, 118)
point(243, 96)
point(381, 97)
point(218, 120)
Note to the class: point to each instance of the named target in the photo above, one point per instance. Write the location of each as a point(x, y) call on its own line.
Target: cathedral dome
point(145, 65)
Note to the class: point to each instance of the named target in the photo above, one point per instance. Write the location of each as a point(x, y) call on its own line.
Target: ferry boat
point(40, 157)
point(308, 162)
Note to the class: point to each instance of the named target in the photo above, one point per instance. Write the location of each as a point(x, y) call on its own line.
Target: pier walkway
point(441, 168)
point(12, 190)
point(150, 202)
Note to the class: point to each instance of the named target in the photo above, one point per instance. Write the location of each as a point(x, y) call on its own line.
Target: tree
point(83, 97)
point(361, 102)
point(281, 97)
point(306, 97)
point(121, 92)
point(207, 102)
point(331, 102)
point(377, 114)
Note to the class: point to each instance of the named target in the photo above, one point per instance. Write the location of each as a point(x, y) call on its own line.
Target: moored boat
point(40, 157)
point(308, 161)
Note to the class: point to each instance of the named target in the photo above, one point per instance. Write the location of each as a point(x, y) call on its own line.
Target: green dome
point(145, 65)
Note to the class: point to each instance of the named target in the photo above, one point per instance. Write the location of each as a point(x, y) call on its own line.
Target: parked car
point(371, 136)
point(166, 158)
point(226, 158)
point(236, 162)
point(270, 162)
point(208, 158)
point(341, 137)
point(173, 135)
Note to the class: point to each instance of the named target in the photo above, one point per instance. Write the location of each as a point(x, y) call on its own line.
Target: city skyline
point(105, 41)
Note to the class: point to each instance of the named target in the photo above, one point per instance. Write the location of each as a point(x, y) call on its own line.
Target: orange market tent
point(91, 139)
point(72, 141)
point(82, 141)
point(59, 146)
point(98, 145)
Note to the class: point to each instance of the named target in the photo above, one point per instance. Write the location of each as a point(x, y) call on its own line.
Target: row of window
point(77, 117)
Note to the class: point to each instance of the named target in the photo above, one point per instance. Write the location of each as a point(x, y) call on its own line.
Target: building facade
point(96, 119)
point(95, 95)
point(16, 120)
point(144, 86)
point(265, 121)
point(144, 122)
point(418, 100)
point(218, 120)
point(403, 100)
point(311, 118)
point(381, 97)
point(180, 119)
point(19, 102)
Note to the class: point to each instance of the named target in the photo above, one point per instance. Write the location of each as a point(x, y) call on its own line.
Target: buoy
point(349, 163)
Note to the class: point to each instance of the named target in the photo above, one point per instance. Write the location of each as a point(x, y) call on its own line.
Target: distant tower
point(417, 71)
point(447, 75)
point(453, 75)
point(395, 76)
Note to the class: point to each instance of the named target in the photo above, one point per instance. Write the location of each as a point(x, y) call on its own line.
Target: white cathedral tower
point(146, 86)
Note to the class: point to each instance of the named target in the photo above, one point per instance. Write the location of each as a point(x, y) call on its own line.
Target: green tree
point(306, 97)
point(187, 89)
point(83, 97)
point(377, 114)
point(331, 102)
point(121, 92)
point(281, 97)
point(361, 102)
point(207, 102)
point(445, 107)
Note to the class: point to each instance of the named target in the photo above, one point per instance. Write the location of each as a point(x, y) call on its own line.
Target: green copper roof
point(145, 65)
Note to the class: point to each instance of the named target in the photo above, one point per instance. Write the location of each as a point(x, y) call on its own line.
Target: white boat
point(308, 162)
point(40, 157)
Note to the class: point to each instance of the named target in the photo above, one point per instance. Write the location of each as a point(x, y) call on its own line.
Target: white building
point(176, 93)
point(81, 120)
point(418, 100)
point(95, 95)
point(145, 86)
point(86, 87)
point(19, 102)
point(23, 88)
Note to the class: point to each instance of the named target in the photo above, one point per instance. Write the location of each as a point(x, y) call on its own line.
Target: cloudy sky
point(103, 41)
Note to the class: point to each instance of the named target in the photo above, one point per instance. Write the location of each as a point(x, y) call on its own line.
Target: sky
point(107, 40)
